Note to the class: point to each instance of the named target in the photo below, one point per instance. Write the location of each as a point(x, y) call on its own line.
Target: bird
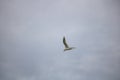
point(66, 45)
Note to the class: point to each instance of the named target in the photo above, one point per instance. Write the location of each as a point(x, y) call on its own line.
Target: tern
point(66, 45)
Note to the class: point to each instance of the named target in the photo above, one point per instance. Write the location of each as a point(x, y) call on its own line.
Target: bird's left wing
point(64, 42)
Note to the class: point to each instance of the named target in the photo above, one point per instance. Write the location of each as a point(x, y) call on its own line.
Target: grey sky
point(31, 33)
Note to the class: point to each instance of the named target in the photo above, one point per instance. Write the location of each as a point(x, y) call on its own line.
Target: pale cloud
point(31, 40)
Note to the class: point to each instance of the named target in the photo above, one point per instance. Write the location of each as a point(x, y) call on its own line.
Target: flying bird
point(66, 45)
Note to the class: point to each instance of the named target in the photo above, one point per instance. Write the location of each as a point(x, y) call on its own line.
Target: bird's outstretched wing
point(64, 42)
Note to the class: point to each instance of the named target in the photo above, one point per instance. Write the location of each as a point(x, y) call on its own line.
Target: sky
point(31, 33)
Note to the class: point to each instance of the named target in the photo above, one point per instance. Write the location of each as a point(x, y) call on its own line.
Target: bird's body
point(66, 45)
point(69, 48)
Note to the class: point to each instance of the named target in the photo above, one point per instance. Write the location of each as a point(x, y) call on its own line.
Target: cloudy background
point(31, 33)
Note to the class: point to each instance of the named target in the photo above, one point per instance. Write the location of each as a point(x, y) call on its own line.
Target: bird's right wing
point(64, 42)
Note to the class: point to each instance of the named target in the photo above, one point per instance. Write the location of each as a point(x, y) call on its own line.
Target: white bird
point(66, 45)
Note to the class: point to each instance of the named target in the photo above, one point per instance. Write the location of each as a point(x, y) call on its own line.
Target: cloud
point(31, 35)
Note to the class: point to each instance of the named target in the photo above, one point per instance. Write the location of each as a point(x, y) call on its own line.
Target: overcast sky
point(31, 33)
